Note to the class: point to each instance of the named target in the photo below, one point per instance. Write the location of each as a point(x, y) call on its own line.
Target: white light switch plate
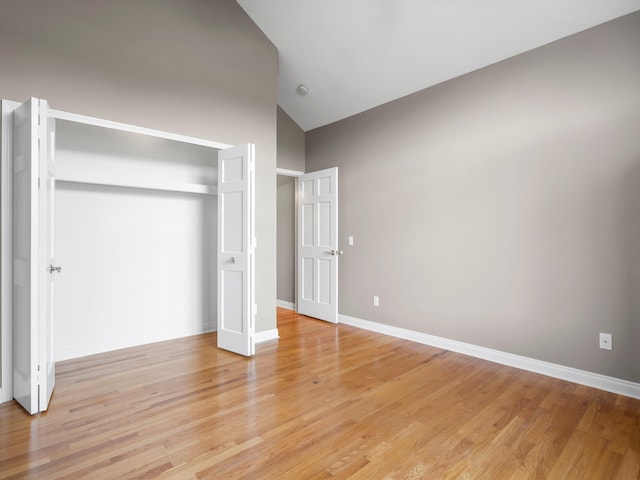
point(605, 341)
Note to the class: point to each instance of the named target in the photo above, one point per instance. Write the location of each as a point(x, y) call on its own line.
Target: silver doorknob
point(232, 260)
point(53, 269)
point(334, 252)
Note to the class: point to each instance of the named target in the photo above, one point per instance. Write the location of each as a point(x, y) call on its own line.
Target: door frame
point(293, 174)
point(6, 216)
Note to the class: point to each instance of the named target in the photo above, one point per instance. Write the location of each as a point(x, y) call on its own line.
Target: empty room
point(358, 239)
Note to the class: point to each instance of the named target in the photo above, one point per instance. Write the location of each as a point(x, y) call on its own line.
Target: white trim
point(602, 382)
point(267, 336)
point(287, 305)
point(125, 127)
point(94, 348)
point(288, 173)
point(6, 253)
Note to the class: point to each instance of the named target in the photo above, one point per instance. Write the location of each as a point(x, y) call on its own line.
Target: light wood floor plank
point(323, 402)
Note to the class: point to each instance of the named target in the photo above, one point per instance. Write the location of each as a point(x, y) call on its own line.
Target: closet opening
point(135, 235)
point(114, 235)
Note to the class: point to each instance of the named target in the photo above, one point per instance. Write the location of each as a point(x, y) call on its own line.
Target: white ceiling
point(356, 54)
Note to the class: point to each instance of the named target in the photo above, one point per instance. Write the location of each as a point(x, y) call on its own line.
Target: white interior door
point(318, 245)
point(34, 375)
point(236, 249)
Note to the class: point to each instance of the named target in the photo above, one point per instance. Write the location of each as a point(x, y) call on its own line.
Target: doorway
point(286, 240)
point(311, 226)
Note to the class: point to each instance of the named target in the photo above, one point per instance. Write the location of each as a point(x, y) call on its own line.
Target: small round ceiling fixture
point(302, 90)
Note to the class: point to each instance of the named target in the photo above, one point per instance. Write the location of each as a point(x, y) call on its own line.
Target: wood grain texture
point(323, 402)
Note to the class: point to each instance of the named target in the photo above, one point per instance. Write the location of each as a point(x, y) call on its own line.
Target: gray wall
point(194, 67)
point(502, 208)
point(291, 146)
point(291, 143)
point(286, 288)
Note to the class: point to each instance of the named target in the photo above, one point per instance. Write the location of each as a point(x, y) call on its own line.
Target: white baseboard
point(267, 335)
point(285, 304)
point(602, 382)
point(112, 344)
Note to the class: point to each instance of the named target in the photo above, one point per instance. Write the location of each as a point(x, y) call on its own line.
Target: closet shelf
point(146, 185)
point(99, 122)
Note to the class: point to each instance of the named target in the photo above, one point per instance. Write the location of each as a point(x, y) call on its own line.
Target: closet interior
point(135, 236)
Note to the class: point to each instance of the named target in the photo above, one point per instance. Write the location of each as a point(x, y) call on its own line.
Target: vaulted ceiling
point(353, 55)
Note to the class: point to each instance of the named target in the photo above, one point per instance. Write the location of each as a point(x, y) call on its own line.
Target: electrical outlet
point(605, 341)
point(376, 301)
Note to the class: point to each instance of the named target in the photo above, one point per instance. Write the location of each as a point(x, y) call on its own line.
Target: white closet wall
point(138, 264)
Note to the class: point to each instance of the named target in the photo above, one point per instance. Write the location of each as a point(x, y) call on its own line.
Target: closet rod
point(166, 187)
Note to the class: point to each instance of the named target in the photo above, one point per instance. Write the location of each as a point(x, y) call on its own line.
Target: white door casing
point(33, 371)
point(317, 245)
point(236, 249)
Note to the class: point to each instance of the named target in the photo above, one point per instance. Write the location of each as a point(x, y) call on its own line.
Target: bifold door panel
point(33, 190)
point(236, 250)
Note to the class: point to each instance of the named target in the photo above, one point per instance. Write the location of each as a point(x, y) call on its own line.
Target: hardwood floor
point(323, 402)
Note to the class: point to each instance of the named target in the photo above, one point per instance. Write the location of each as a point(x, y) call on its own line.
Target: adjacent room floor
point(325, 401)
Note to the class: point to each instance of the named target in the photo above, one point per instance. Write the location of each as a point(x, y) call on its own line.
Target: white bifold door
point(318, 245)
point(33, 266)
point(236, 250)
